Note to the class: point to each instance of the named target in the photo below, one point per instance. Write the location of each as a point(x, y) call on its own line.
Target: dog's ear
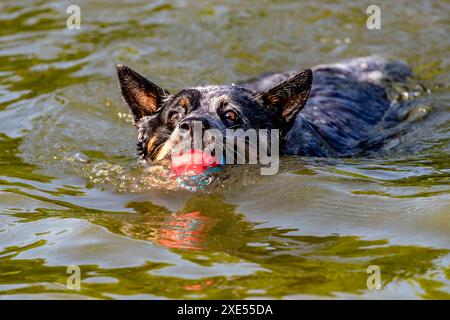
point(289, 96)
point(141, 95)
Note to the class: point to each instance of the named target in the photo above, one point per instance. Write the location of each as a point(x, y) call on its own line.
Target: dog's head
point(163, 118)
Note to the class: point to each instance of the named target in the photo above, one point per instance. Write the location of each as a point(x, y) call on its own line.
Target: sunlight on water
point(72, 192)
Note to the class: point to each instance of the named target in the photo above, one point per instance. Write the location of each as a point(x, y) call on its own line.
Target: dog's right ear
point(289, 96)
point(141, 95)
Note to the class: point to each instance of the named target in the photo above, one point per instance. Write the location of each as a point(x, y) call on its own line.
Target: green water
point(71, 192)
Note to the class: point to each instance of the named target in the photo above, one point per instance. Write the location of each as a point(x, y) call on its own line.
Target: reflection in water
point(186, 230)
point(208, 232)
point(203, 223)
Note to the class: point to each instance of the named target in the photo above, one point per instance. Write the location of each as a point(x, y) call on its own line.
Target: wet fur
point(342, 114)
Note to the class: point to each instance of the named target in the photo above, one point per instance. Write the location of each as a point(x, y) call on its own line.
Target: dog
point(335, 110)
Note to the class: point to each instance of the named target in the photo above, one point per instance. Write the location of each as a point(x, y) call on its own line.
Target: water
point(71, 192)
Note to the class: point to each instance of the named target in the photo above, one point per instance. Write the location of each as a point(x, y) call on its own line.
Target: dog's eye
point(231, 116)
point(174, 117)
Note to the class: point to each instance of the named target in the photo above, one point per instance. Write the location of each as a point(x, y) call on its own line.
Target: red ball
point(192, 162)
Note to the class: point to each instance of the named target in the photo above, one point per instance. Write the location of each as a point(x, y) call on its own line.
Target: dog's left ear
point(289, 96)
point(141, 95)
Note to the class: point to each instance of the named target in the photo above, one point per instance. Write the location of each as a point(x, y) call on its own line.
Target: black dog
point(336, 110)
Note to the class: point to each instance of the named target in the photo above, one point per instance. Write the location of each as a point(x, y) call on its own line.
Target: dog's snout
point(191, 124)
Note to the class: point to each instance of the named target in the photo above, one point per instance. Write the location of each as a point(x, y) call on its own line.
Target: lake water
point(72, 193)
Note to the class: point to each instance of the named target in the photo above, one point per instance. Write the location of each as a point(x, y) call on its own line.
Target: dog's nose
point(192, 124)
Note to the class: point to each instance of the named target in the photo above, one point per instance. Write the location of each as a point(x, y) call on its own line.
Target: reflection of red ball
point(192, 162)
point(185, 231)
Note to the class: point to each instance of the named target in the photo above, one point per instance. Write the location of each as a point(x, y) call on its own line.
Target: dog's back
point(346, 106)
